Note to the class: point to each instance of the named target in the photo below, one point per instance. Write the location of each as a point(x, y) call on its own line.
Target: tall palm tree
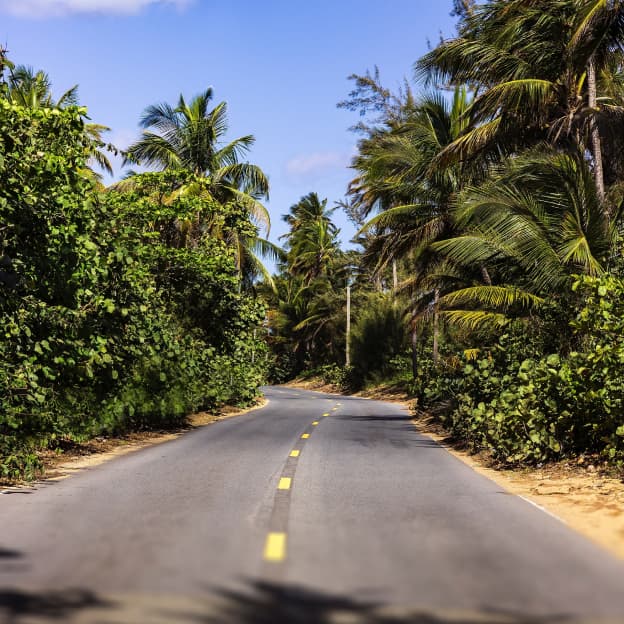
point(311, 298)
point(597, 40)
point(534, 64)
point(190, 136)
point(415, 198)
point(313, 245)
point(397, 177)
point(538, 221)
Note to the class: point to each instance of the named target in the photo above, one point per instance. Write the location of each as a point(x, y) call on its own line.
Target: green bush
point(119, 311)
point(545, 406)
point(339, 376)
point(377, 338)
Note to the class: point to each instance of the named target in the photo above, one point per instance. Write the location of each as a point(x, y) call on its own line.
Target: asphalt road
point(369, 523)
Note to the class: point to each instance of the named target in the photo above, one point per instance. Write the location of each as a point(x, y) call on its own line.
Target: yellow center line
point(316, 422)
point(284, 483)
point(295, 453)
point(334, 409)
point(326, 414)
point(275, 547)
point(305, 436)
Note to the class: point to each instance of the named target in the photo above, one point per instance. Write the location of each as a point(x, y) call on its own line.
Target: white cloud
point(318, 162)
point(48, 8)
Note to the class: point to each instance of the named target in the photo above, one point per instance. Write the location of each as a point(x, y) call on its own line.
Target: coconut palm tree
point(536, 65)
point(537, 221)
point(312, 241)
point(34, 89)
point(415, 198)
point(310, 303)
point(191, 137)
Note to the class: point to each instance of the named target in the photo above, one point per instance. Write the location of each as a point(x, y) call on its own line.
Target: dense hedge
point(120, 310)
point(525, 407)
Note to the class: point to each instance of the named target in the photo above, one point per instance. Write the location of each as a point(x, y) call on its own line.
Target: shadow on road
point(18, 605)
point(269, 603)
point(260, 602)
point(379, 418)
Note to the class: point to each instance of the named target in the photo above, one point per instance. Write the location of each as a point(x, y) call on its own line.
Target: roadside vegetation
point(488, 198)
point(129, 307)
point(487, 278)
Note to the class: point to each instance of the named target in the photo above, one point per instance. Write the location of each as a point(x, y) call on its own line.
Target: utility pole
point(348, 354)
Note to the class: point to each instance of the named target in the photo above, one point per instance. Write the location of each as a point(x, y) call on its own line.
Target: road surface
point(314, 509)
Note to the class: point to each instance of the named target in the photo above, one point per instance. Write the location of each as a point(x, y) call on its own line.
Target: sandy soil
point(78, 456)
point(583, 494)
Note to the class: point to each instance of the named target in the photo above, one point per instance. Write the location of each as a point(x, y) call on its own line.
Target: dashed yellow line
point(316, 422)
point(275, 547)
point(326, 414)
point(284, 483)
point(305, 436)
point(295, 453)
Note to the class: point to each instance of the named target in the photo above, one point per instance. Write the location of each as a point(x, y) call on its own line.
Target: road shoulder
point(102, 449)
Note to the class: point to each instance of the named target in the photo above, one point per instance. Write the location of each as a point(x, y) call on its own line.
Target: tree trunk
point(395, 280)
point(414, 352)
point(485, 275)
point(436, 328)
point(595, 132)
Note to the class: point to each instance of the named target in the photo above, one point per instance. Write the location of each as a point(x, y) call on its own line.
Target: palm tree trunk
point(595, 133)
point(414, 351)
point(395, 280)
point(436, 327)
point(485, 275)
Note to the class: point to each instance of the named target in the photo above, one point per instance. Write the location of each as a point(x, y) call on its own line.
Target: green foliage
point(307, 317)
point(523, 406)
point(339, 376)
point(377, 337)
point(120, 310)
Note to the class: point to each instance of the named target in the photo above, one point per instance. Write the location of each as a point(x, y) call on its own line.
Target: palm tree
point(190, 137)
point(415, 198)
point(310, 288)
point(598, 39)
point(33, 90)
point(538, 221)
point(534, 64)
point(313, 245)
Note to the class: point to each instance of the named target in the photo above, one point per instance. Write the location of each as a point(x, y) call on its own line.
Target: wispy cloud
point(54, 8)
point(317, 162)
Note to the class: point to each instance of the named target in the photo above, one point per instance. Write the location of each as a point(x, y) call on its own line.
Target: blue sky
point(281, 65)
